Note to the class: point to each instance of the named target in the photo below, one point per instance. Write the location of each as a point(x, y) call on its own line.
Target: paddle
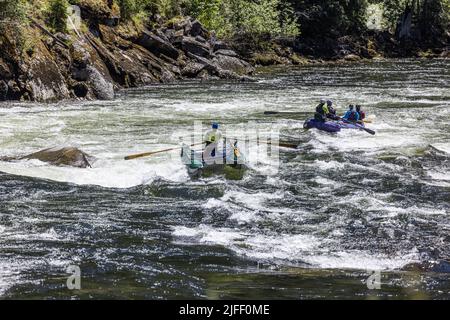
point(366, 129)
point(360, 126)
point(369, 119)
point(147, 154)
point(281, 112)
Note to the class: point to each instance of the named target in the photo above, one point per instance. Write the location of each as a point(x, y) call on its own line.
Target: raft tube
point(330, 126)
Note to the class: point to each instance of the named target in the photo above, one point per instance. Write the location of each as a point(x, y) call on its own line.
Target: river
point(314, 224)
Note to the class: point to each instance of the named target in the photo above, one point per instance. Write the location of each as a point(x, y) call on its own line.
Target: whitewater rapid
point(348, 201)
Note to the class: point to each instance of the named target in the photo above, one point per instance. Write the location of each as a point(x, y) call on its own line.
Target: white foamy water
point(303, 249)
point(340, 201)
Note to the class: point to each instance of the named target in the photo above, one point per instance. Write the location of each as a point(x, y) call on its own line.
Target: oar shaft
point(280, 144)
point(146, 154)
point(361, 127)
point(282, 112)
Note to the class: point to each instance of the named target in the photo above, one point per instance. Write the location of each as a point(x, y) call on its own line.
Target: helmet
point(351, 107)
point(322, 101)
point(329, 102)
point(358, 107)
point(215, 125)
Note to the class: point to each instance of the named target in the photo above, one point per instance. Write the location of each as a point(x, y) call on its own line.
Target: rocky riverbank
point(107, 55)
point(94, 63)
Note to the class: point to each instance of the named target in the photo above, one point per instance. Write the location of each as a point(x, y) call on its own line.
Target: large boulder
point(352, 57)
point(132, 65)
point(197, 29)
point(220, 45)
point(67, 156)
point(157, 45)
point(44, 79)
point(91, 74)
point(224, 52)
point(234, 64)
point(3, 90)
point(193, 46)
point(192, 69)
point(5, 72)
point(102, 88)
point(214, 69)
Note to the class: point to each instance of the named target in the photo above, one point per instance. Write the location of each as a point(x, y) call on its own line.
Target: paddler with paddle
point(331, 111)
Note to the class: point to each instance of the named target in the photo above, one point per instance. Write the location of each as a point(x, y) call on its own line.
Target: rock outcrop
point(97, 62)
point(68, 156)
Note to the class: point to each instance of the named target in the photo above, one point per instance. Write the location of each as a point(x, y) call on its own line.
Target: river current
point(316, 223)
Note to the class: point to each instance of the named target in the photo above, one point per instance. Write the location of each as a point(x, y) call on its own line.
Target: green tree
point(431, 17)
point(331, 18)
point(12, 11)
point(251, 17)
point(128, 8)
point(57, 15)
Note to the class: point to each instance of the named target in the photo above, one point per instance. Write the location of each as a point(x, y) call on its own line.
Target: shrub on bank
point(57, 15)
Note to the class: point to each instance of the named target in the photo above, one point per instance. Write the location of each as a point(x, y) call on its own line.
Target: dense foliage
point(430, 17)
point(226, 17)
point(12, 11)
point(315, 18)
point(57, 14)
point(332, 17)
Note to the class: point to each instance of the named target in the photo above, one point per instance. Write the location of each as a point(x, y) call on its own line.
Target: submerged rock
point(68, 156)
point(352, 57)
point(441, 266)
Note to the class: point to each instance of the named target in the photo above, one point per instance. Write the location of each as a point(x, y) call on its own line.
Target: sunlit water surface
point(312, 226)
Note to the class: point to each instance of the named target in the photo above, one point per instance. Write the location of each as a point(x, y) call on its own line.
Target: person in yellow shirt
point(321, 111)
point(212, 138)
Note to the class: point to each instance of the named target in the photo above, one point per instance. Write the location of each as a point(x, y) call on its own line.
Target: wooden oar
point(280, 144)
point(147, 154)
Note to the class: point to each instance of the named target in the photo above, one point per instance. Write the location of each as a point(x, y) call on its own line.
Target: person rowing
point(351, 115)
point(212, 138)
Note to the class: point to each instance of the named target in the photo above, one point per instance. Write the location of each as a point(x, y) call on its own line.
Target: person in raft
point(331, 111)
point(212, 138)
point(351, 114)
point(361, 113)
point(321, 111)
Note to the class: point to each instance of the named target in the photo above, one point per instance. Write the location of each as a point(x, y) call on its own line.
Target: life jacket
point(319, 109)
point(213, 136)
point(353, 116)
point(331, 110)
point(362, 115)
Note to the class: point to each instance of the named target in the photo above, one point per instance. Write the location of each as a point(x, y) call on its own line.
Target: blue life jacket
point(351, 115)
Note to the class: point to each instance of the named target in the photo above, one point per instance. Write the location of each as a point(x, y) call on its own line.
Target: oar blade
point(370, 131)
